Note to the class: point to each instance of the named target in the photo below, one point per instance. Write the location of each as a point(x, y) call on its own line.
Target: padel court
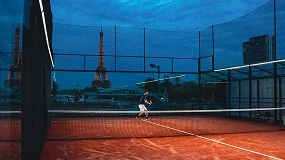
point(218, 92)
point(162, 137)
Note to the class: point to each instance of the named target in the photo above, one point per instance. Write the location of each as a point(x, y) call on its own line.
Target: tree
point(54, 90)
point(151, 85)
point(77, 95)
point(90, 89)
point(166, 84)
point(184, 91)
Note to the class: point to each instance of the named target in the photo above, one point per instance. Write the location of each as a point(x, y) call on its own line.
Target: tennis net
point(74, 124)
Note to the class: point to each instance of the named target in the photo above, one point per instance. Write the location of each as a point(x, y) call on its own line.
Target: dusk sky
point(175, 15)
point(157, 14)
point(77, 25)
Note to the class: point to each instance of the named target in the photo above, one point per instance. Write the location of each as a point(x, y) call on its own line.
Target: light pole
point(158, 77)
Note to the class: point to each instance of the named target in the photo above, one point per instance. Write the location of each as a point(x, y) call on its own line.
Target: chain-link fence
point(128, 52)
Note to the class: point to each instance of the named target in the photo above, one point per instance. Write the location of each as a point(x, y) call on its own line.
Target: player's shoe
point(138, 118)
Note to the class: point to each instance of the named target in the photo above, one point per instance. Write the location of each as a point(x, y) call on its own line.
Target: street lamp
point(158, 76)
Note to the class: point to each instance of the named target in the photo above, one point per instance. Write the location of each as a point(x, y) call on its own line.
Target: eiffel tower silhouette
point(14, 76)
point(101, 69)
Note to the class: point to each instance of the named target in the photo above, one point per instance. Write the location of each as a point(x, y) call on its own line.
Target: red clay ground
point(10, 150)
point(168, 148)
point(92, 139)
point(10, 134)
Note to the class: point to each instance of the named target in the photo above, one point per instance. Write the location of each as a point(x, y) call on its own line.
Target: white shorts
point(142, 107)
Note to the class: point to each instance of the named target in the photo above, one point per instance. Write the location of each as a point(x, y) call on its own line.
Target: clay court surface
point(165, 137)
point(160, 138)
point(10, 135)
point(168, 148)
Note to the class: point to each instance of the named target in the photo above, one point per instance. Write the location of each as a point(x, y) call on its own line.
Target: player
point(142, 107)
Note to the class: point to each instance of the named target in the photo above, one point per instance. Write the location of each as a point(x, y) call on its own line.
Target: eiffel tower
point(14, 76)
point(101, 69)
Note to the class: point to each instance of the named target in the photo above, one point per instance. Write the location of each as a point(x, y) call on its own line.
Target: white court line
point(213, 140)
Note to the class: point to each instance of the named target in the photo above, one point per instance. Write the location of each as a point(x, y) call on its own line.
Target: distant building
point(101, 80)
point(259, 49)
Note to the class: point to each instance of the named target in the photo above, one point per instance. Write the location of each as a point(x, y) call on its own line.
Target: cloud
point(159, 14)
point(11, 8)
point(11, 11)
